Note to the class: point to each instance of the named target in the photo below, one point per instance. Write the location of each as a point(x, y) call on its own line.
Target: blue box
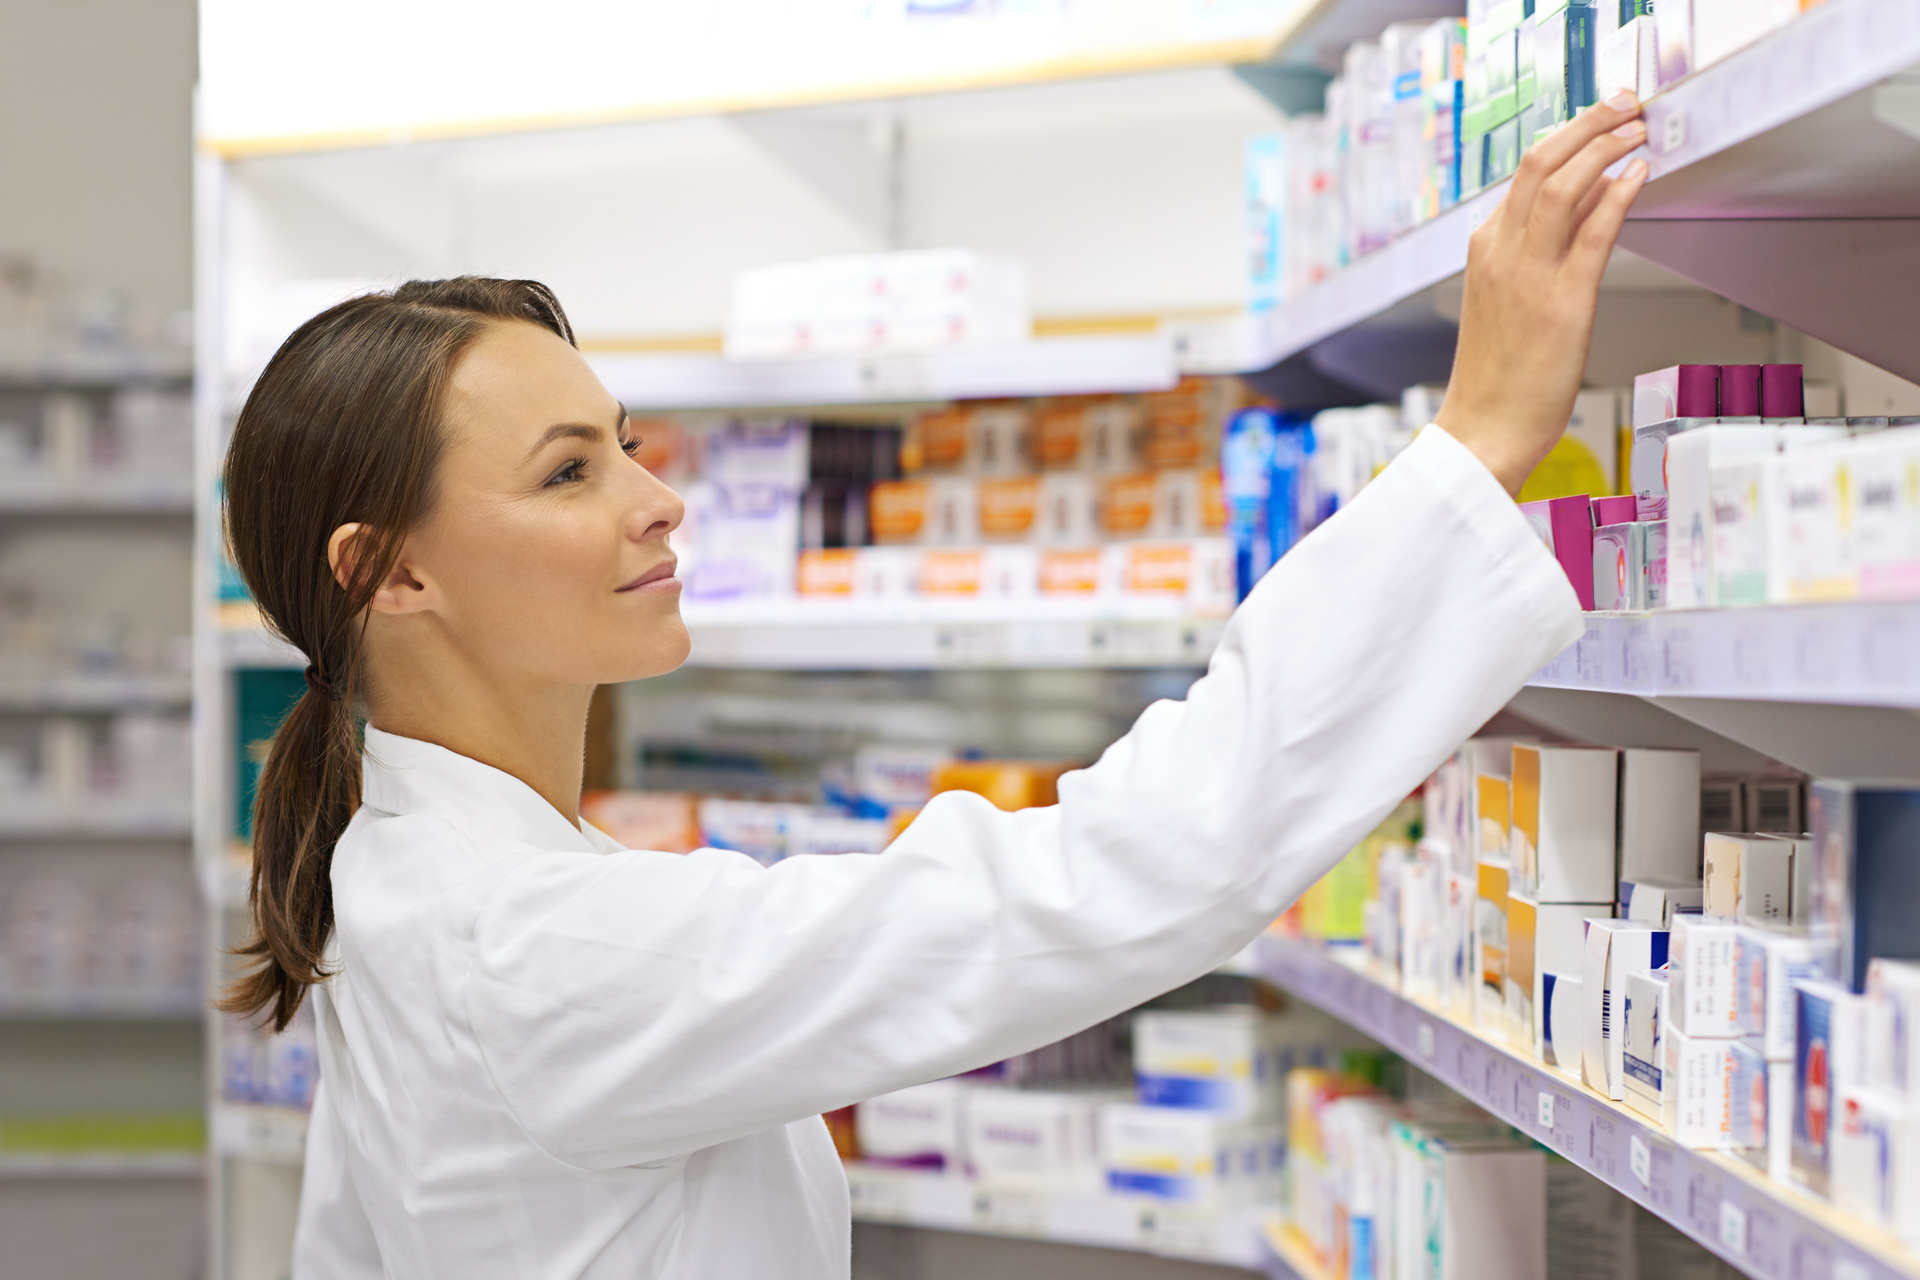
point(1866, 873)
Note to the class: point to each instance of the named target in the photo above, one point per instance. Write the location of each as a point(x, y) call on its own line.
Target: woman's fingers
point(1593, 243)
point(1546, 157)
point(1552, 224)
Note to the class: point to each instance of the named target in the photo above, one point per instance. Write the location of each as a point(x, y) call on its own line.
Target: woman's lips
point(658, 578)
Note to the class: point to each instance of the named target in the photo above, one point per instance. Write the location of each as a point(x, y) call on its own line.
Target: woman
point(544, 1055)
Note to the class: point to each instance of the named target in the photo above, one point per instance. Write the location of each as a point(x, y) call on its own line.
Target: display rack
point(1764, 1228)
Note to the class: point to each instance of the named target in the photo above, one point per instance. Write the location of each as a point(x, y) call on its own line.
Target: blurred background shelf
point(104, 1166)
point(1765, 1229)
point(21, 819)
point(104, 494)
point(96, 692)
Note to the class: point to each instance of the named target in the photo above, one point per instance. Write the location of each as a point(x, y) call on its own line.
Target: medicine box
point(1748, 878)
point(1644, 1015)
point(1562, 840)
point(1660, 815)
point(1187, 1156)
point(1542, 937)
point(1876, 1159)
point(1866, 877)
point(1886, 513)
point(1776, 806)
point(1893, 1025)
point(1829, 1051)
point(1723, 803)
point(1495, 809)
point(1036, 1136)
point(1770, 962)
point(1220, 1060)
point(1614, 948)
point(1677, 391)
point(1706, 976)
point(1565, 526)
point(1484, 1204)
point(1490, 948)
point(1657, 902)
point(1696, 1089)
point(1748, 1114)
point(920, 1127)
point(1557, 1014)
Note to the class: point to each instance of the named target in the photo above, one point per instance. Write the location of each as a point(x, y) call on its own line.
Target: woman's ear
point(401, 590)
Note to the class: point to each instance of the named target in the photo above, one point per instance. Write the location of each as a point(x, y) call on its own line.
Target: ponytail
point(343, 427)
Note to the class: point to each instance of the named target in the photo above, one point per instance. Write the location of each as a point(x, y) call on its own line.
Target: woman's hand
point(1533, 280)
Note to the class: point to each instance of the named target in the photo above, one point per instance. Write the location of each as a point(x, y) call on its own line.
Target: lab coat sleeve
point(335, 1238)
point(639, 1006)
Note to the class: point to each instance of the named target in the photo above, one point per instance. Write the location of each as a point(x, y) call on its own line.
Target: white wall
point(95, 143)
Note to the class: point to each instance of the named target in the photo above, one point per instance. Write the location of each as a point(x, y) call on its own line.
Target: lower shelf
point(950, 1202)
point(1766, 1229)
point(274, 1135)
point(102, 1165)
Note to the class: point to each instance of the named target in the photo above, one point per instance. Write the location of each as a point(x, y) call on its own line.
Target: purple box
point(1782, 391)
point(1740, 391)
point(1620, 510)
point(1677, 391)
point(1566, 526)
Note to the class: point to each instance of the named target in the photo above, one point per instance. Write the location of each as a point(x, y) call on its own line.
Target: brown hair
point(343, 426)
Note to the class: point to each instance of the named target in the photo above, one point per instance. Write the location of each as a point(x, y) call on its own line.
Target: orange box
point(1060, 433)
point(1009, 784)
point(666, 821)
point(941, 438)
point(957, 572)
point(826, 571)
point(1158, 568)
point(897, 510)
point(1213, 502)
point(1069, 571)
point(1009, 507)
point(1126, 504)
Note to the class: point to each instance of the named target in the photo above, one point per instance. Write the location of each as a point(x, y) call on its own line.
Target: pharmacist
point(544, 1055)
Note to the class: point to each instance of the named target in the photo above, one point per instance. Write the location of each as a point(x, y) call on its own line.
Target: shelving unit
point(1784, 180)
point(1765, 1229)
point(170, 1165)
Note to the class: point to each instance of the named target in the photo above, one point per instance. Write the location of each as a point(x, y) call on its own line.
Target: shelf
point(950, 1202)
point(76, 368)
point(23, 818)
point(96, 692)
point(1786, 147)
point(276, 1135)
point(104, 494)
point(1764, 1228)
point(102, 1165)
point(1044, 366)
point(188, 1010)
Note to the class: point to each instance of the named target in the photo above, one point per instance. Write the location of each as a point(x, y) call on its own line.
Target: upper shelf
point(1774, 176)
point(1045, 366)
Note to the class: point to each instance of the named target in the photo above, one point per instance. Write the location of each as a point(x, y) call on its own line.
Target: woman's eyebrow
point(560, 430)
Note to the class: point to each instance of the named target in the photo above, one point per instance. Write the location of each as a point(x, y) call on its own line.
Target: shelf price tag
point(1733, 1228)
point(1423, 1040)
point(1546, 1112)
point(1641, 1161)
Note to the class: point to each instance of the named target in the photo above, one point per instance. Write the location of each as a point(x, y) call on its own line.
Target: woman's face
point(545, 557)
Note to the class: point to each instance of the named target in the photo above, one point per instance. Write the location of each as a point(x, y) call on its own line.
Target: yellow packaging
point(1009, 784)
point(1490, 945)
point(1069, 571)
point(1126, 504)
point(1495, 809)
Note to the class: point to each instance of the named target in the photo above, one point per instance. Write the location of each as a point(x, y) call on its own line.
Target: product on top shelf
point(856, 303)
point(1048, 1138)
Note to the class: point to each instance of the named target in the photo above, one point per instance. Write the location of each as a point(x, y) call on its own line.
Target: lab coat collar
point(407, 776)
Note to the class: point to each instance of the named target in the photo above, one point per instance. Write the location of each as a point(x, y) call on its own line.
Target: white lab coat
point(546, 1056)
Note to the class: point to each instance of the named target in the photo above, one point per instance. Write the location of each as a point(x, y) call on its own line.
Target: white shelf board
point(1781, 1233)
point(102, 1165)
point(105, 493)
point(277, 1135)
point(952, 1202)
point(101, 1011)
point(82, 368)
point(1781, 129)
point(80, 692)
point(1042, 366)
point(23, 818)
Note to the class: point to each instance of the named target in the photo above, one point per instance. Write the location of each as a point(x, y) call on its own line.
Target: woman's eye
point(630, 446)
point(568, 473)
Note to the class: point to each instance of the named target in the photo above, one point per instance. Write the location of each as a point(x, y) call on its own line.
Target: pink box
point(1566, 526)
point(1615, 510)
point(1677, 391)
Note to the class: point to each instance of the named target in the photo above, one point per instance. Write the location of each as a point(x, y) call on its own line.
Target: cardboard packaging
point(1659, 815)
point(1040, 1137)
point(1565, 526)
point(1723, 804)
point(1495, 809)
point(1696, 1090)
point(1490, 946)
point(1657, 903)
point(1876, 1159)
point(1621, 569)
point(1542, 937)
point(921, 1127)
point(1485, 1202)
point(1829, 1051)
point(1719, 480)
point(1678, 391)
point(1893, 1026)
point(1776, 806)
point(1705, 955)
point(1614, 949)
point(1562, 840)
point(1748, 878)
point(1642, 1058)
point(1886, 513)
point(1749, 1115)
point(1219, 1060)
point(1192, 1157)
point(1558, 1012)
point(1628, 59)
point(1866, 878)
point(1770, 962)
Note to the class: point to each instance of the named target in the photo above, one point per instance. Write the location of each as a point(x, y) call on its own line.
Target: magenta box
point(1620, 510)
point(1566, 526)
